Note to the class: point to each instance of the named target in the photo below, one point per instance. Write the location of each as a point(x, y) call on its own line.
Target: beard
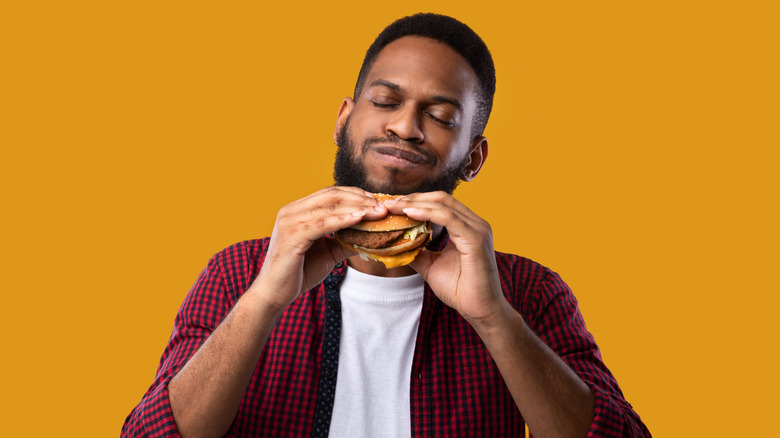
point(349, 171)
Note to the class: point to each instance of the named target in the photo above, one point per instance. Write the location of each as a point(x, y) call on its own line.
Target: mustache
point(404, 144)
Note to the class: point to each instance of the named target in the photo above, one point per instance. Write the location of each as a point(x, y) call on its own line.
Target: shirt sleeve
point(558, 322)
point(206, 304)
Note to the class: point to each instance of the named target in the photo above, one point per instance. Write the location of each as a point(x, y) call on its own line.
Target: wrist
point(500, 323)
point(263, 302)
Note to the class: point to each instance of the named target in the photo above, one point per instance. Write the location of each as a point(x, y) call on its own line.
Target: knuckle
point(332, 191)
point(317, 223)
point(283, 212)
point(323, 209)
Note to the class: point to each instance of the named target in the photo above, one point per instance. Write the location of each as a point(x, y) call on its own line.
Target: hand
point(464, 275)
point(300, 255)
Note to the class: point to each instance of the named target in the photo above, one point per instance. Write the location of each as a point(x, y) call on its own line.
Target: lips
point(403, 154)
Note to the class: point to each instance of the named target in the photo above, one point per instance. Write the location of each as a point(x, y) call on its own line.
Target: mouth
point(402, 156)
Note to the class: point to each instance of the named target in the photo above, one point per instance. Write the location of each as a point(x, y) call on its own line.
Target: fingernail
point(358, 213)
point(409, 210)
point(391, 201)
point(379, 208)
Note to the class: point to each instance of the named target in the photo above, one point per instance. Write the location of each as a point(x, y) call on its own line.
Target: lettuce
point(412, 233)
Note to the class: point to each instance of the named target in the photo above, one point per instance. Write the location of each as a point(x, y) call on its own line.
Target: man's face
point(410, 128)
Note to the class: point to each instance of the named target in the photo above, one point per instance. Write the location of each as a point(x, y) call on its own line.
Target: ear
point(477, 157)
point(341, 119)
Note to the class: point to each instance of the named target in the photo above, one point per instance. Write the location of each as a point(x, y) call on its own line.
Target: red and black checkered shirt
point(456, 389)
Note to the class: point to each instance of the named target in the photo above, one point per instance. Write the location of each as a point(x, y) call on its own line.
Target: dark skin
point(423, 92)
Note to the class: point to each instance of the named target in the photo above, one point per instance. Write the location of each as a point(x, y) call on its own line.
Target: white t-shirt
point(380, 317)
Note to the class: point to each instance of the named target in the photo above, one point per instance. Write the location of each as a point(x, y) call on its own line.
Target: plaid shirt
point(456, 389)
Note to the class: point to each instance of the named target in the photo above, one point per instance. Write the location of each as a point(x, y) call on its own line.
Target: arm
point(553, 314)
point(553, 399)
point(204, 392)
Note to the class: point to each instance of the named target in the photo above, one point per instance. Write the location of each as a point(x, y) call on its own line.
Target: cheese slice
point(397, 260)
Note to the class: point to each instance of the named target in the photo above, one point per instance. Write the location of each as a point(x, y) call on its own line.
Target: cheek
point(364, 126)
point(449, 147)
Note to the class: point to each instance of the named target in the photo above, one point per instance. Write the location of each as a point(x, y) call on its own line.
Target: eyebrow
point(395, 87)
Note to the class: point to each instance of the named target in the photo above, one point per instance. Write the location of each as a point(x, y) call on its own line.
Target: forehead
point(425, 66)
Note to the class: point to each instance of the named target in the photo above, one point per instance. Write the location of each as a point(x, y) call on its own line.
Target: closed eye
point(440, 121)
point(384, 105)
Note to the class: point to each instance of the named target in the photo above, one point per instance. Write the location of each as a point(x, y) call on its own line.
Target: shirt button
point(330, 373)
point(335, 306)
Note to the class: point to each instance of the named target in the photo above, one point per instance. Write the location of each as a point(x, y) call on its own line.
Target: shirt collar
point(439, 242)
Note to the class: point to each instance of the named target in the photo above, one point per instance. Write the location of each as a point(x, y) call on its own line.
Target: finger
point(429, 200)
point(433, 211)
point(416, 205)
point(298, 229)
point(336, 200)
point(335, 195)
point(471, 235)
point(337, 250)
point(298, 237)
point(455, 223)
point(332, 201)
point(343, 191)
point(423, 262)
point(311, 227)
point(301, 223)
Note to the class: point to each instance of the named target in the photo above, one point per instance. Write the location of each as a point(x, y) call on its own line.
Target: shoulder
point(520, 271)
point(527, 284)
point(240, 262)
point(245, 251)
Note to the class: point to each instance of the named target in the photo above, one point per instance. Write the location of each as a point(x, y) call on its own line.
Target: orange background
point(634, 150)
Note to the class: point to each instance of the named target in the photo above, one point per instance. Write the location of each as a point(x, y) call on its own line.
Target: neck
point(378, 269)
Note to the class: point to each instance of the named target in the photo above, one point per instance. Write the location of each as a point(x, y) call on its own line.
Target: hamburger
point(394, 240)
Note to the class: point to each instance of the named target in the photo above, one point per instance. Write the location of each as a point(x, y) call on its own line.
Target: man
point(280, 337)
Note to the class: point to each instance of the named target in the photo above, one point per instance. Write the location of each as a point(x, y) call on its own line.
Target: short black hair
point(455, 34)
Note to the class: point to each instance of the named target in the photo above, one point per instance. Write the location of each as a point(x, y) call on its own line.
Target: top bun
point(382, 197)
point(388, 223)
point(391, 222)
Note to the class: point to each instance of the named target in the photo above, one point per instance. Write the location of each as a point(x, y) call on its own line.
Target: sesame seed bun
point(390, 250)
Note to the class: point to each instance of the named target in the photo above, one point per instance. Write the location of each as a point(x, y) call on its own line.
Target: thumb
point(338, 251)
point(422, 263)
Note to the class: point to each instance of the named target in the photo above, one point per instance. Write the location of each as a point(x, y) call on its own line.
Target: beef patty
point(368, 239)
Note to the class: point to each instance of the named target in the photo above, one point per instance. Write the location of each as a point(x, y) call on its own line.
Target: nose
point(406, 124)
